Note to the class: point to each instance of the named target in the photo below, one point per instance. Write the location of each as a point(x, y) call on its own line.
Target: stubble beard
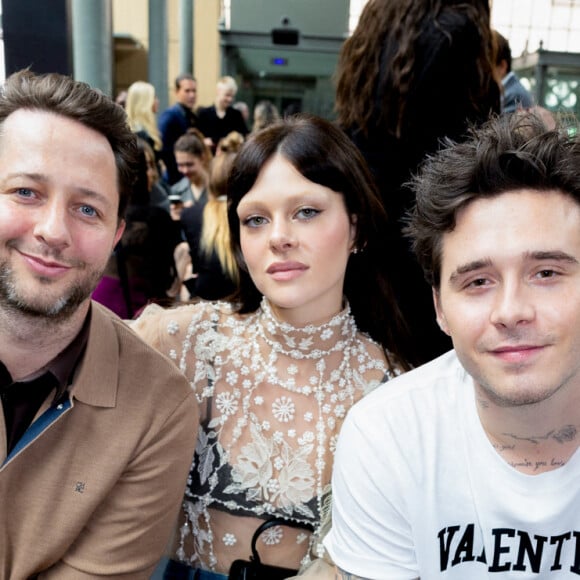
point(61, 309)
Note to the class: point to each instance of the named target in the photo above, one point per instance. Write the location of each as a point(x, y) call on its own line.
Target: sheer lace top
point(272, 399)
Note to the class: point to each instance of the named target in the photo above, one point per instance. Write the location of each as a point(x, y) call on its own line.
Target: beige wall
point(131, 17)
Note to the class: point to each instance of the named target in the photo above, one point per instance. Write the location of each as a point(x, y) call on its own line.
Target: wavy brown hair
point(361, 74)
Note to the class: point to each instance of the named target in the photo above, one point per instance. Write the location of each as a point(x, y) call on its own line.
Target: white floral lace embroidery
point(273, 398)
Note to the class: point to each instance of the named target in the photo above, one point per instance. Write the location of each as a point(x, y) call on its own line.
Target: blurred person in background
point(141, 269)
point(265, 113)
point(141, 107)
point(411, 74)
point(175, 122)
point(221, 118)
point(206, 229)
point(193, 158)
point(514, 95)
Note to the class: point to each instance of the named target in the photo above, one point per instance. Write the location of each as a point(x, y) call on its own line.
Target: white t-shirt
point(419, 491)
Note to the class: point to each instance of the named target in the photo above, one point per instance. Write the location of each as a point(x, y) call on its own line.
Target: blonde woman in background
point(141, 107)
point(207, 231)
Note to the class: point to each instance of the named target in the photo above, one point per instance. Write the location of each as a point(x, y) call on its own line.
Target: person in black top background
point(411, 74)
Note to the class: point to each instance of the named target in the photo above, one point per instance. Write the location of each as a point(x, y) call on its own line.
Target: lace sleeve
point(165, 329)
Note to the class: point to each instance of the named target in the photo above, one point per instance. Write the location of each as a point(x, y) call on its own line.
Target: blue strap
point(36, 429)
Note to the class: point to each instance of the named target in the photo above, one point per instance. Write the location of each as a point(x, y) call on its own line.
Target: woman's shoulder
point(157, 324)
point(380, 361)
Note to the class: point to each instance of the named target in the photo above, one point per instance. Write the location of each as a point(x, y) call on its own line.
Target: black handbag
point(254, 569)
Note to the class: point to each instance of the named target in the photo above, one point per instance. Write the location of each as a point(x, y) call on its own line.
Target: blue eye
point(88, 211)
point(24, 192)
point(254, 221)
point(307, 213)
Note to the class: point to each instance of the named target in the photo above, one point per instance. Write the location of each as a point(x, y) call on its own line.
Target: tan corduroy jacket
point(93, 488)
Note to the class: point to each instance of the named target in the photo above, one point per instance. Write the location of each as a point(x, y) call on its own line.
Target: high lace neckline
point(306, 342)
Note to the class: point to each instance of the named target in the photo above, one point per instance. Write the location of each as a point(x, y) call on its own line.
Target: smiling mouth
point(45, 267)
point(517, 354)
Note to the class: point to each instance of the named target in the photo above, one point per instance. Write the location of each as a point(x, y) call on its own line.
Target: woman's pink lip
point(286, 271)
point(285, 267)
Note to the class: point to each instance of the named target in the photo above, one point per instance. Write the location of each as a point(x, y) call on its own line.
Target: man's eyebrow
point(469, 267)
point(40, 178)
point(556, 255)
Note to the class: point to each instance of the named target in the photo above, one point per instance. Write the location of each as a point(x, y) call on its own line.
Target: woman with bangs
point(312, 327)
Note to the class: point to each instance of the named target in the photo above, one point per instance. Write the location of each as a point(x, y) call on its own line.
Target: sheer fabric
point(272, 400)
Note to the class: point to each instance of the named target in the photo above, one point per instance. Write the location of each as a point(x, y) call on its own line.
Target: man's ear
point(120, 230)
point(441, 320)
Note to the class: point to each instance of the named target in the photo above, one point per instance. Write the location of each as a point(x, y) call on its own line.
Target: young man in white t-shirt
point(467, 467)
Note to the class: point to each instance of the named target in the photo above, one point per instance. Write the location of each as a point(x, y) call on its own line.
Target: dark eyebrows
point(555, 255)
point(540, 256)
point(469, 267)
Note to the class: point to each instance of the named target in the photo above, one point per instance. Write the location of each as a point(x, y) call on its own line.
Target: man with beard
point(95, 440)
point(468, 466)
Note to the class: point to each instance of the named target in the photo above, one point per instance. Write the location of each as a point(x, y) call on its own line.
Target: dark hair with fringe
point(323, 154)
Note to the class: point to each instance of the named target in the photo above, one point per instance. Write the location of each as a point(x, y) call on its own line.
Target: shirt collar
point(61, 367)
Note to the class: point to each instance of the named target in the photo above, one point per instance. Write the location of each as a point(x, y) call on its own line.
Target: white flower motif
point(172, 354)
point(273, 486)
point(292, 370)
point(283, 409)
point(301, 538)
point(244, 371)
point(259, 400)
point(326, 408)
point(232, 378)
point(278, 463)
point(226, 403)
point(340, 411)
point(320, 365)
point(278, 436)
point(229, 539)
point(172, 327)
point(332, 443)
point(308, 437)
point(266, 425)
point(326, 334)
point(308, 416)
point(246, 384)
point(291, 433)
point(272, 536)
